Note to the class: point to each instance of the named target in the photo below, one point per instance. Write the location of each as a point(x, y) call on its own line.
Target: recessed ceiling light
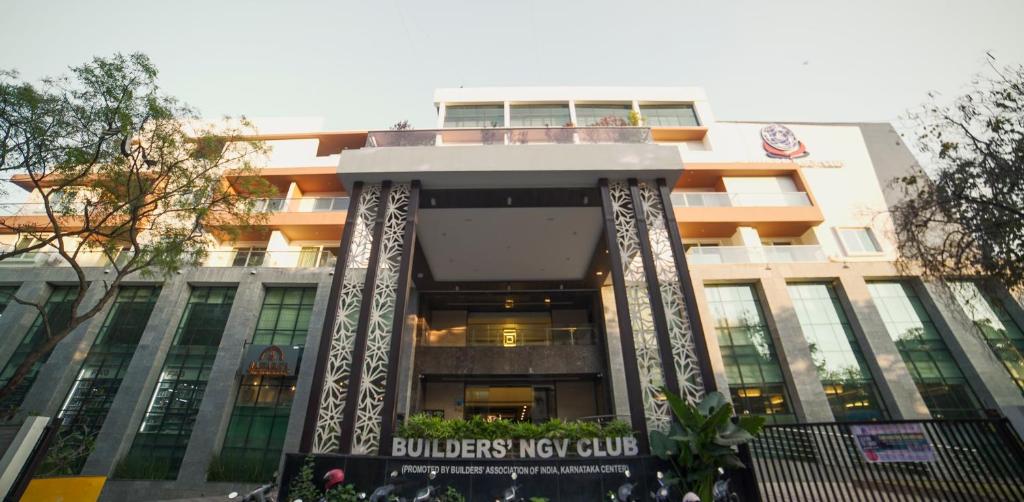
point(599, 272)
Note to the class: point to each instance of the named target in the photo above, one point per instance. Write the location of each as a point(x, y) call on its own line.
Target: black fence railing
point(951, 460)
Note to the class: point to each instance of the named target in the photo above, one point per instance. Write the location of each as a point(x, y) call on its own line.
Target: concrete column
point(292, 197)
point(55, 377)
point(136, 389)
point(279, 251)
point(984, 371)
point(894, 381)
point(219, 397)
point(18, 318)
point(297, 416)
point(616, 365)
point(811, 403)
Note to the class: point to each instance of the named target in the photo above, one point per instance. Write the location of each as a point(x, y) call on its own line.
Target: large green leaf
point(737, 437)
point(752, 423)
point(712, 401)
point(685, 412)
point(663, 447)
point(731, 461)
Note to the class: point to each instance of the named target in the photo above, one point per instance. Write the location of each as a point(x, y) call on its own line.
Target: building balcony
point(728, 199)
point(262, 258)
point(714, 255)
point(303, 204)
point(508, 136)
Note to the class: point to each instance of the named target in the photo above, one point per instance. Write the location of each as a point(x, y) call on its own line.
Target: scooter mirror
point(660, 475)
point(361, 495)
point(514, 476)
point(297, 500)
point(432, 475)
point(394, 474)
point(232, 495)
point(627, 473)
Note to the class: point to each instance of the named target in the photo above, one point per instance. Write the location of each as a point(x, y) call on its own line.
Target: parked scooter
point(661, 494)
point(261, 494)
point(511, 493)
point(385, 492)
point(721, 492)
point(625, 491)
point(430, 493)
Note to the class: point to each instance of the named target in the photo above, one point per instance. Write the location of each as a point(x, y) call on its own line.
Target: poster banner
point(880, 443)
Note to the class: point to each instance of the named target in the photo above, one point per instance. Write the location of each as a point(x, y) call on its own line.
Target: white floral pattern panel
point(677, 318)
point(641, 316)
point(339, 360)
point(373, 382)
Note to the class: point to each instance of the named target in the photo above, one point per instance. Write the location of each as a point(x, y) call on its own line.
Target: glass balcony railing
point(509, 136)
point(755, 254)
point(730, 199)
point(302, 204)
point(507, 335)
point(247, 258)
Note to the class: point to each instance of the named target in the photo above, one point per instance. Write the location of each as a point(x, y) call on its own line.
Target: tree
point(403, 125)
point(123, 175)
point(964, 215)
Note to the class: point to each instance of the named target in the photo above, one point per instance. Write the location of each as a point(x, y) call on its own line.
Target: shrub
point(423, 426)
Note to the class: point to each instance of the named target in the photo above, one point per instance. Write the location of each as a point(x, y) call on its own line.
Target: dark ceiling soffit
point(511, 197)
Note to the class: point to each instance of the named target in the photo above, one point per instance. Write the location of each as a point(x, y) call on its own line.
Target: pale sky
point(366, 65)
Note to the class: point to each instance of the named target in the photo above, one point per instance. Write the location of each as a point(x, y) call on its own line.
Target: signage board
point(543, 448)
point(880, 443)
point(271, 360)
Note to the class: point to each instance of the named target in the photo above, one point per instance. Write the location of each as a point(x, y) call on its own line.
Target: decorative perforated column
point(355, 373)
point(654, 320)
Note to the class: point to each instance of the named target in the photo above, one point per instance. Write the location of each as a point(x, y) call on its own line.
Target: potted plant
point(701, 440)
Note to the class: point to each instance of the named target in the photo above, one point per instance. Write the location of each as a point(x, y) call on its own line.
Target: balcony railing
point(509, 136)
point(730, 199)
point(507, 335)
point(302, 204)
point(273, 259)
point(755, 254)
point(253, 258)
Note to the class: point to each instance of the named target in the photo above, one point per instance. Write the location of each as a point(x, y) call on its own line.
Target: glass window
point(942, 385)
point(160, 444)
point(1002, 334)
point(86, 406)
point(858, 241)
point(284, 318)
point(603, 115)
point(669, 115)
point(475, 116)
point(540, 115)
point(58, 312)
point(842, 369)
point(256, 432)
point(249, 257)
point(751, 363)
point(6, 296)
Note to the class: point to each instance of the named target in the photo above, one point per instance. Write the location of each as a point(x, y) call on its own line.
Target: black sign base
point(558, 480)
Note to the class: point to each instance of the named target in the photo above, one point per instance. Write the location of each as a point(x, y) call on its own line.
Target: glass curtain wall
point(58, 313)
point(668, 115)
point(255, 435)
point(166, 428)
point(844, 374)
point(752, 365)
point(92, 394)
point(938, 377)
point(603, 115)
point(6, 295)
point(554, 115)
point(1002, 334)
point(474, 116)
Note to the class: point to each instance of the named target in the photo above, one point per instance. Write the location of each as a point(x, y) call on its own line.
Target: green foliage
point(231, 468)
point(431, 427)
point(128, 177)
point(343, 493)
point(302, 486)
point(140, 466)
point(452, 495)
point(962, 212)
point(538, 499)
point(635, 119)
point(68, 453)
point(701, 438)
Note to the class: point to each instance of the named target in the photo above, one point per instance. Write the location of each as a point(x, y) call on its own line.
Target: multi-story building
point(542, 253)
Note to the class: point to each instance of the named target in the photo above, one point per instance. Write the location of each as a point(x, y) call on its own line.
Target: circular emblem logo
point(780, 137)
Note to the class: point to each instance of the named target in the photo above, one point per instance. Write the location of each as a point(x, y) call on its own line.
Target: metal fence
point(962, 460)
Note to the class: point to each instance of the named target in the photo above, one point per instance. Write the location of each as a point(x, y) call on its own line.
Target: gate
point(971, 460)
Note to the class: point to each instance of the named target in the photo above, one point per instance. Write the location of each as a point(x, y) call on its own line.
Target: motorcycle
point(430, 493)
point(385, 492)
